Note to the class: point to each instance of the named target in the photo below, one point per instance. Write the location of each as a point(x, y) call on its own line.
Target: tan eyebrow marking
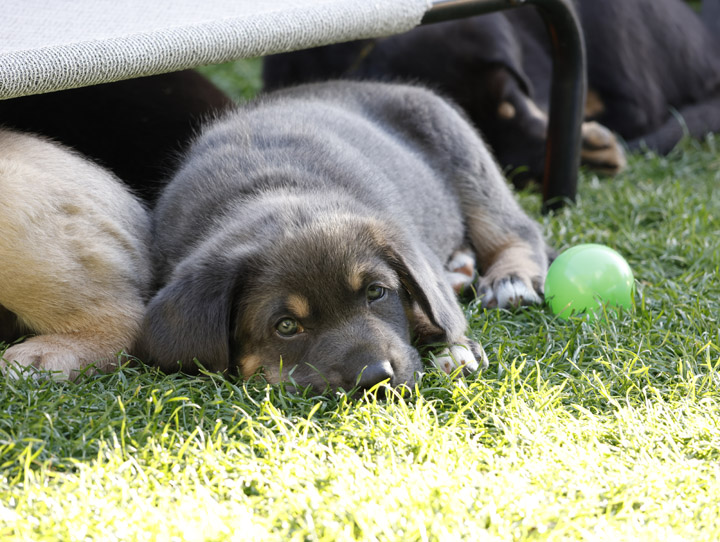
point(535, 111)
point(298, 305)
point(356, 278)
point(361, 272)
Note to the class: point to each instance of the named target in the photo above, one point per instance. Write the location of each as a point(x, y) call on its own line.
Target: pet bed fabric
point(48, 45)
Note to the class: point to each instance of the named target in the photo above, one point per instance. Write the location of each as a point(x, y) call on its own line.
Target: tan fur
point(355, 279)
point(506, 111)
point(488, 235)
point(360, 270)
point(502, 255)
point(250, 364)
point(513, 259)
point(535, 111)
point(74, 262)
point(601, 149)
point(594, 105)
point(298, 305)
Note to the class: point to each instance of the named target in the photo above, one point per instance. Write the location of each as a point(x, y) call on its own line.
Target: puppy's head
point(338, 303)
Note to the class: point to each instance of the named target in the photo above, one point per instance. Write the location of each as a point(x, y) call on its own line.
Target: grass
point(605, 430)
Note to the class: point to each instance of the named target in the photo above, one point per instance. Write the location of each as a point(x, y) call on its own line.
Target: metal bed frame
point(567, 99)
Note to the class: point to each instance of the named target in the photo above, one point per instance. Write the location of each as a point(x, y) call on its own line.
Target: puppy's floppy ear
point(421, 273)
point(190, 317)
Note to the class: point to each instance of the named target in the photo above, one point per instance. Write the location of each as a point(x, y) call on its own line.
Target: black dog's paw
point(601, 150)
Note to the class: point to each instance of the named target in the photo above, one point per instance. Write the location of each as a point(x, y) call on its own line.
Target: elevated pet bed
point(49, 45)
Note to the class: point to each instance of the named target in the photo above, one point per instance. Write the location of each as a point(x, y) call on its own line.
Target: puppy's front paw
point(601, 150)
point(508, 292)
point(33, 356)
point(469, 355)
point(53, 354)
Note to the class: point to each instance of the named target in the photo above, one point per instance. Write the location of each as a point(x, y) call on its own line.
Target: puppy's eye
point(287, 327)
point(375, 292)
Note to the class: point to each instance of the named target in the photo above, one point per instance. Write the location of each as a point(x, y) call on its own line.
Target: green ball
point(585, 277)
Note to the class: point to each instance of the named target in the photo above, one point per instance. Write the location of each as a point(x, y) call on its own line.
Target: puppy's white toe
point(459, 281)
point(513, 292)
point(462, 261)
point(460, 355)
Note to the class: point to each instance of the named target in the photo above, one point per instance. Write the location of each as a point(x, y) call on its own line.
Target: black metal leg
point(567, 99)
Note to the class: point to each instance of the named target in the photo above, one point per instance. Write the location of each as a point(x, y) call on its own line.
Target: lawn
point(604, 430)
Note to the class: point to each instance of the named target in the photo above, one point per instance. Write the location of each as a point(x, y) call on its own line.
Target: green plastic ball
point(585, 277)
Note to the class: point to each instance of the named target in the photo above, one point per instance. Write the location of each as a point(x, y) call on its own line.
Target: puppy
point(74, 262)
point(308, 235)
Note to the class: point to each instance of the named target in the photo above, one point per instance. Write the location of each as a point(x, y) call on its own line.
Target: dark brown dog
point(136, 128)
point(309, 234)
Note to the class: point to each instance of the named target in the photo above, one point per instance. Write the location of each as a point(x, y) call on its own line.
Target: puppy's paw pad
point(460, 270)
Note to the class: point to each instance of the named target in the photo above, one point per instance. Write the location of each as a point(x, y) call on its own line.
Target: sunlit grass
point(604, 430)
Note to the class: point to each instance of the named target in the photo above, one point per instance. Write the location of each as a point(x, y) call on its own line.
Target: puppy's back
point(394, 149)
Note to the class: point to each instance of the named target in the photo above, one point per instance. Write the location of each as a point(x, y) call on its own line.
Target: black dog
point(310, 234)
point(646, 58)
point(655, 67)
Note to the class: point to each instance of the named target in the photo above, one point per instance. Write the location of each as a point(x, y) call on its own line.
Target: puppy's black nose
point(375, 373)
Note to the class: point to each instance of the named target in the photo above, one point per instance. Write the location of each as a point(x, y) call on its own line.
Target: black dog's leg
point(696, 120)
point(710, 15)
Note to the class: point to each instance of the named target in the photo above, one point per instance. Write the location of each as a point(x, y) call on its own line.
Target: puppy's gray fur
point(74, 263)
point(300, 205)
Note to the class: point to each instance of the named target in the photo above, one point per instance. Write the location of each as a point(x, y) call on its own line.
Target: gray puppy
point(309, 234)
